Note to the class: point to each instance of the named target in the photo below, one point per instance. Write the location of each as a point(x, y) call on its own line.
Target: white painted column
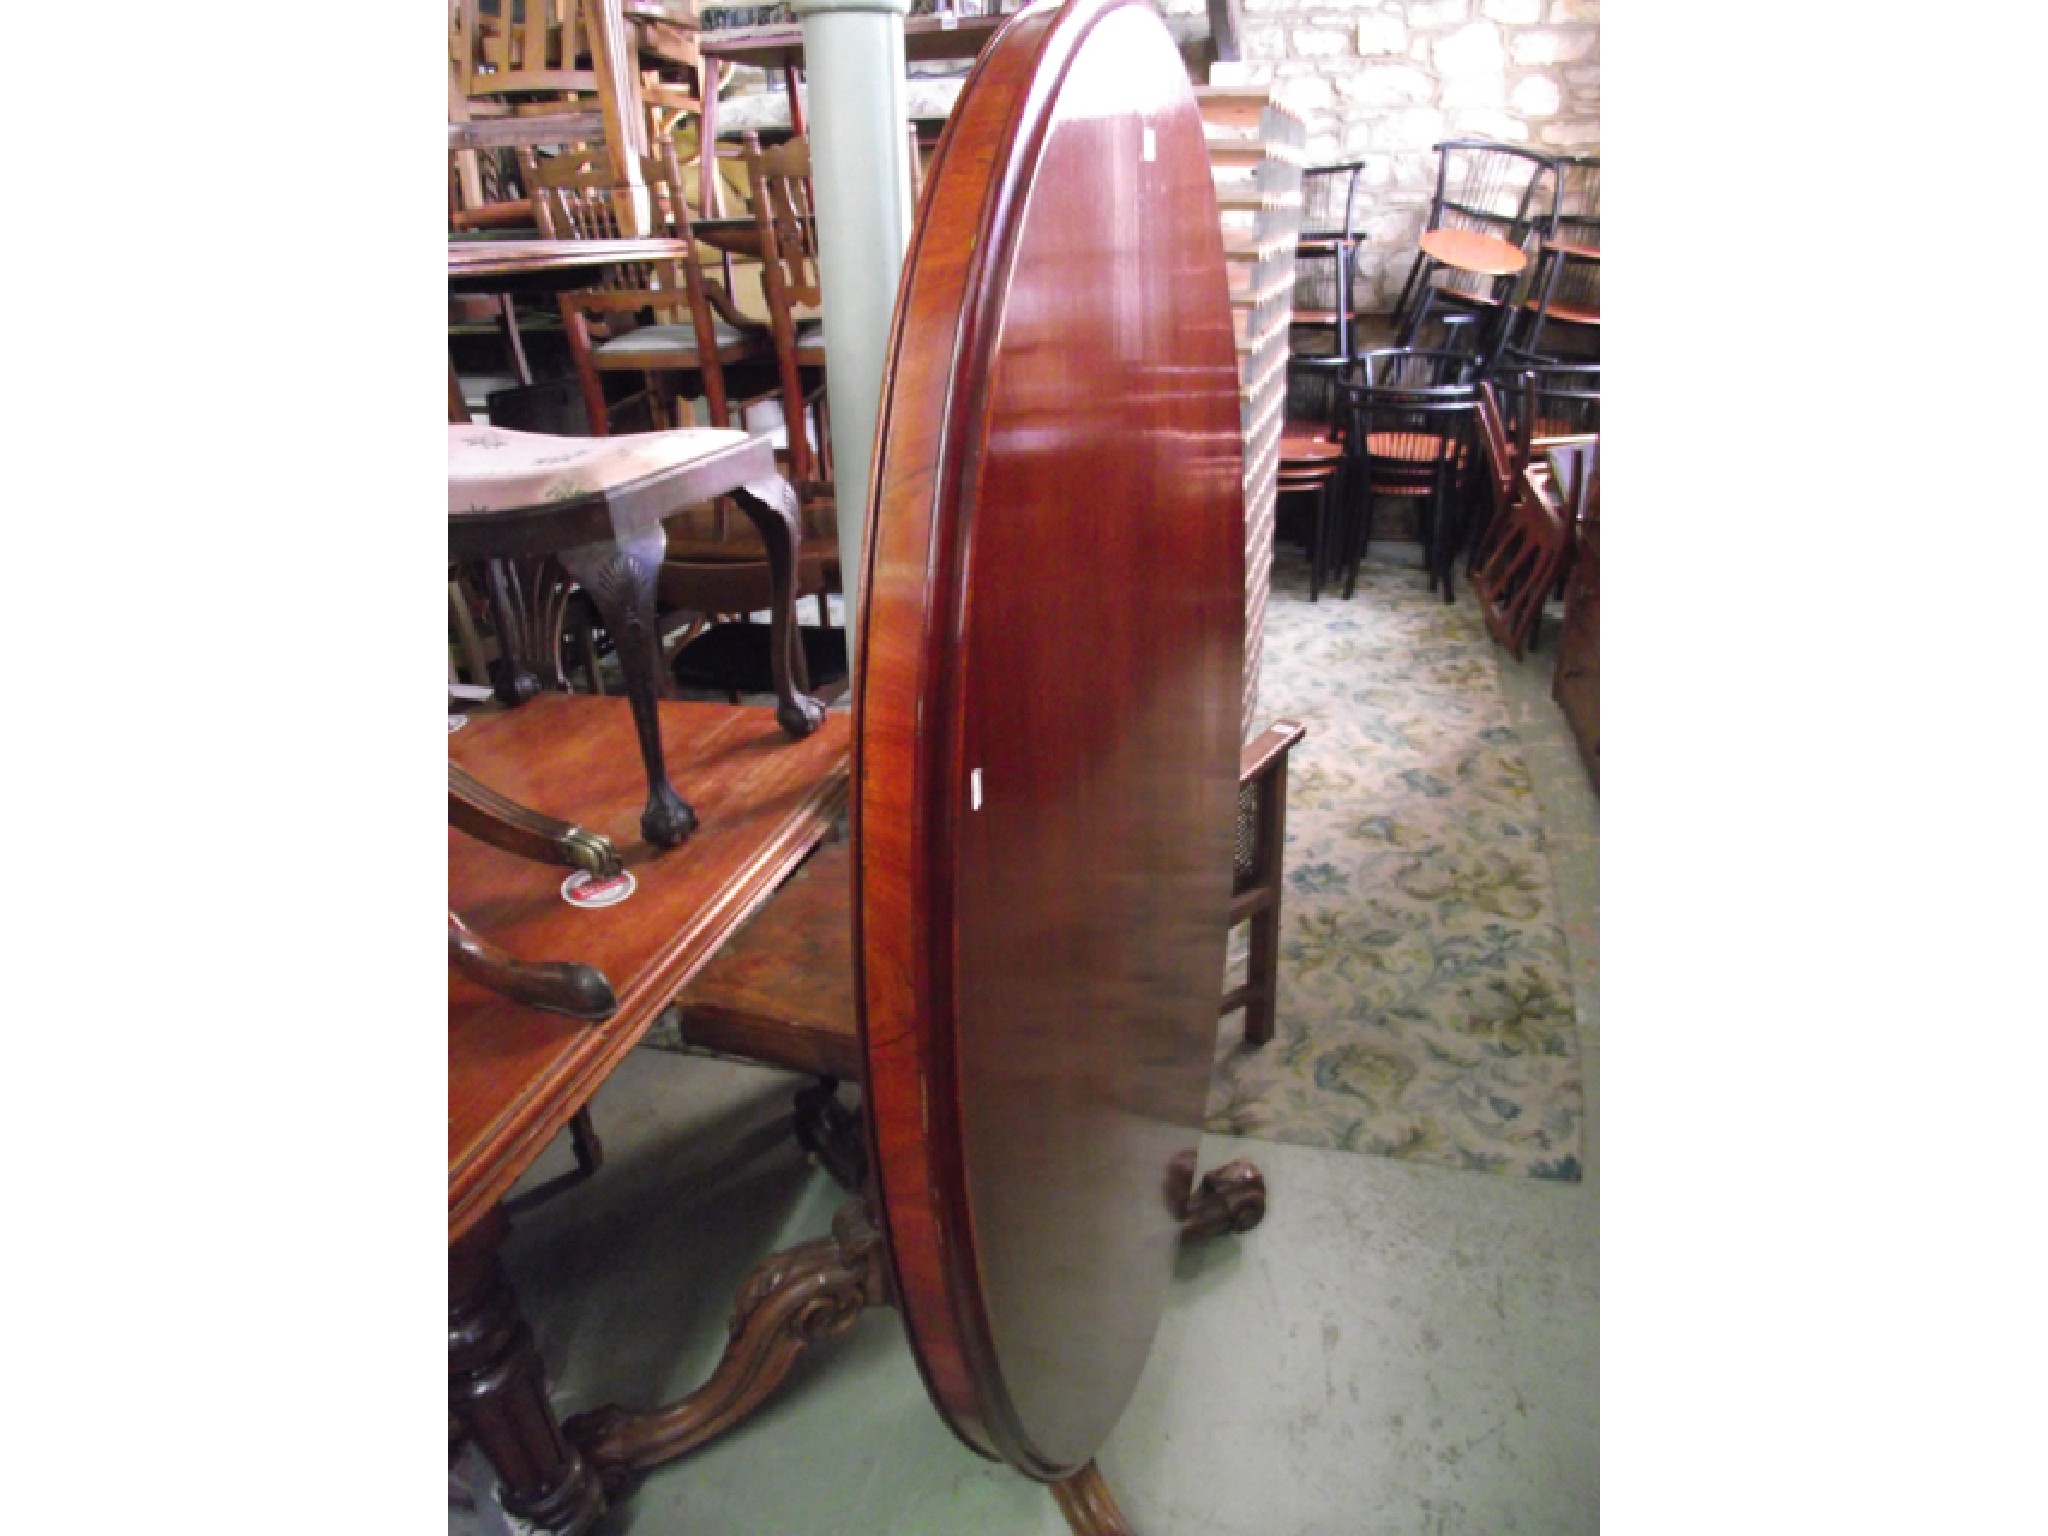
point(860, 177)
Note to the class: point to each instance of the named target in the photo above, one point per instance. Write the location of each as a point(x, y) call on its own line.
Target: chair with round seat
point(1408, 420)
point(1490, 198)
point(1311, 454)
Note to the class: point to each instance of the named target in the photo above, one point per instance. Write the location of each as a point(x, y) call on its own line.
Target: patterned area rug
point(1425, 1006)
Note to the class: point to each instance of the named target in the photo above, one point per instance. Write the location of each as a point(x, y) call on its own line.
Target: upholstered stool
point(546, 512)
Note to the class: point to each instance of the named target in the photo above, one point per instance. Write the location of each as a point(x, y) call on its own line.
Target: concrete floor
point(1396, 1350)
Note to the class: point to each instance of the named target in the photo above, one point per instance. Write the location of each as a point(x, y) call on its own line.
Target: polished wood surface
point(782, 991)
point(1047, 727)
point(1472, 250)
point(523, 258)
point(516, 1075)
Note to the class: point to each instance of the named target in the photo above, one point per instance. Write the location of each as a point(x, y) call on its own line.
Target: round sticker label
point(583, 889)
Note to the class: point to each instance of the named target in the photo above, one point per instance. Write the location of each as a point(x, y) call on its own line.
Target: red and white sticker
point(583, 889)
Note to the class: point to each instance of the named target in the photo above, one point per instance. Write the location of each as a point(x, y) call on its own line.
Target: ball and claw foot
point(799, 715)
point(668, 819)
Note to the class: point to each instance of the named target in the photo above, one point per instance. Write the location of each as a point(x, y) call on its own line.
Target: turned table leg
point(498, 1392)
point(620, 579)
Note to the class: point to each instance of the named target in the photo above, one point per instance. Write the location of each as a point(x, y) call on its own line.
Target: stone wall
point(1382, 80)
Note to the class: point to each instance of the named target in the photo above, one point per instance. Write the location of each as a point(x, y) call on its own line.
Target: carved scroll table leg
point(560, 986)
point(1229, 1199)
point(790, 1301)
point(771, 506)
point(1089, 1506)
point(498, 1392)
point(489, 817)
point(620, 579)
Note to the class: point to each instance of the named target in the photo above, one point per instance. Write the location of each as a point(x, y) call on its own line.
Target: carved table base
point(791, 1300)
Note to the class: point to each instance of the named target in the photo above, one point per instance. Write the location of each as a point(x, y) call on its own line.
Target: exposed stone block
point(1306, 94)
point(1536, 96)
point(1535, 48)
point(1590, 75)
point(1319, 43)
point(1412, 128)
point(1574, 10)
point(1520, 13)
point(1438, 13)
point(1471, 51)
point(1572, 134)
point(1386, 85)
point(1381, 34)
point(1487, 125)
point(1265, 42)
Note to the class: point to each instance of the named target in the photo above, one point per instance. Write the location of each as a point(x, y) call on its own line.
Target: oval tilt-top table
point(1046, 733)
point(1044, 793)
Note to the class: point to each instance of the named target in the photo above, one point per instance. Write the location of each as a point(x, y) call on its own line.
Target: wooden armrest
point(1268, 749)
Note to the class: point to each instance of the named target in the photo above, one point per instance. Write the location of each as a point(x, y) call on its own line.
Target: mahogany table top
point(1472, 250)
point(516, 1075)
point(1047, 727)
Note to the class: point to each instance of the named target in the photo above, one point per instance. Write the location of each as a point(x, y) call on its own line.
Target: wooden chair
point(666, 321)
point(1528, 553)
point(779, 183)
point(1534, 405)
point(1409, 423)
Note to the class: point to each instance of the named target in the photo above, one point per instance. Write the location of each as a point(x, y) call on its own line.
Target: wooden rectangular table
point(517, 1075)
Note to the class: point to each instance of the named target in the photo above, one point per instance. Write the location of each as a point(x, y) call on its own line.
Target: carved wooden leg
point(1229, 1199)
point(560, 986)
point(1089, 1506)
point(790, 1301)
point(489, 817)
point(771, 506)
point(498, 1392)
point(620, 579)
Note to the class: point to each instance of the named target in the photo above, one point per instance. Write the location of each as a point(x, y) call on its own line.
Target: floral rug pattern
point(1425, 1007)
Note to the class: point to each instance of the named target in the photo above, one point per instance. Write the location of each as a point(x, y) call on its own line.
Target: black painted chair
point(1325, 256)
point(1491, 188)
point(1409, 428)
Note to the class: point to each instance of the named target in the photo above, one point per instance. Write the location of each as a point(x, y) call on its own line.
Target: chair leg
point(1416, 273)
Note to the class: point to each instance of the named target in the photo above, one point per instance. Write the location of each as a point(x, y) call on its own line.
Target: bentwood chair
point(1409, 417)
point(665, 321)
point(1488, 188)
